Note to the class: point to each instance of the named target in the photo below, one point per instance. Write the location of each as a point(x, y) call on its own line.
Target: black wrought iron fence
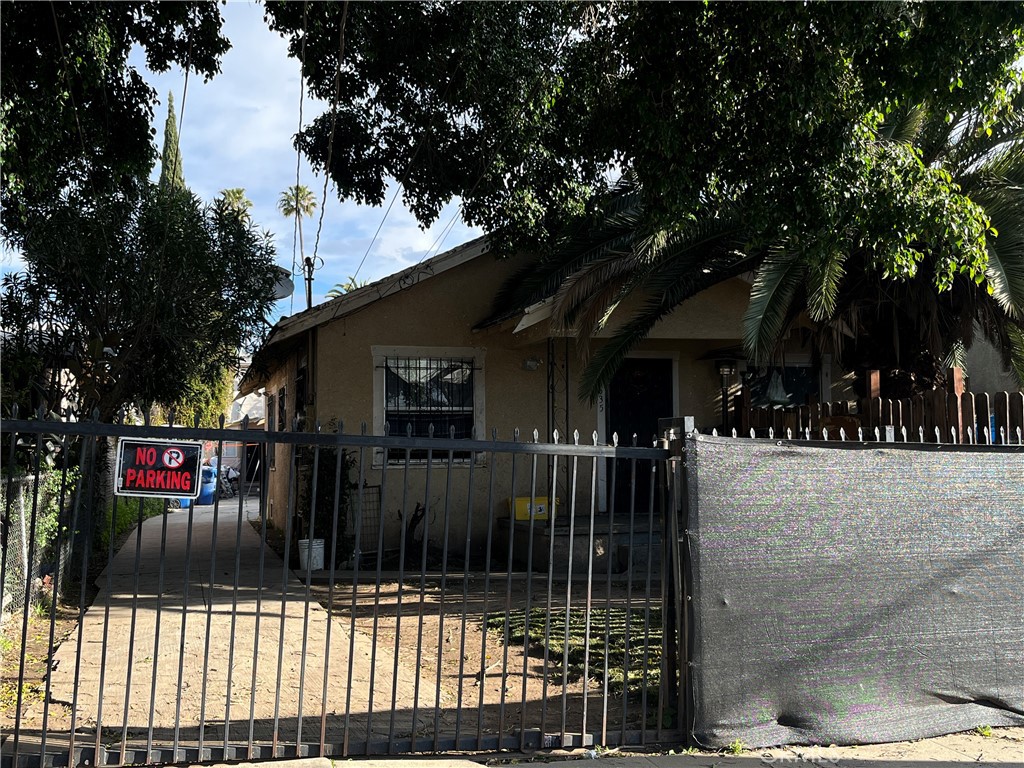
point(474, 607)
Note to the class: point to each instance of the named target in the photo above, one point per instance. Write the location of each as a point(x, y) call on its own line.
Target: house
point(416, 349)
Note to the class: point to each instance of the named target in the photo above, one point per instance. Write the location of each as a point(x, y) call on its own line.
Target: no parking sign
point(161, 468)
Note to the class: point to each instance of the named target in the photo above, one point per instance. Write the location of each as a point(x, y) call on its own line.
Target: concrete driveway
point(211, 631)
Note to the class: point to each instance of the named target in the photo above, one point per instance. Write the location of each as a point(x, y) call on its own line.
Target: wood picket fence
point(934, 417)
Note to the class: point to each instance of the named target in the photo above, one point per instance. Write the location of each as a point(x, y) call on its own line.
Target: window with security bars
point(429, 391)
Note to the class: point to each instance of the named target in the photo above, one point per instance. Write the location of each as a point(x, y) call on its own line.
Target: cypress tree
point(171, 173)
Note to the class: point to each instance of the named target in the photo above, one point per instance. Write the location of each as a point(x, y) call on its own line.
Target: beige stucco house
point(416, 348)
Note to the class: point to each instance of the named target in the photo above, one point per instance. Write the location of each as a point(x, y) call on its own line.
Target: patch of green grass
point(735, 747)
point(984, 730)
point(638, 670)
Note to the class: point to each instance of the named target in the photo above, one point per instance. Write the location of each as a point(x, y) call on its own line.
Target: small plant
point(735, 747)
point(984, 730)
point(41, 608)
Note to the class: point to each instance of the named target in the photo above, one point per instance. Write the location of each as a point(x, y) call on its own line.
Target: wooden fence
point(934, 417)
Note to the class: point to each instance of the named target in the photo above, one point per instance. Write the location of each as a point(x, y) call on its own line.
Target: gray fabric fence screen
point(853, 593)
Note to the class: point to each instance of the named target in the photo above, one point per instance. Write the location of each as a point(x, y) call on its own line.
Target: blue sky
point(236, 131)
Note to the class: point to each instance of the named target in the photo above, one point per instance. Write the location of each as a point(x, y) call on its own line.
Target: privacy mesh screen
point(857, 594)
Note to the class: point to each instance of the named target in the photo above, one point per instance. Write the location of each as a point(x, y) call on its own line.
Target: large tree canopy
point(526, 110)
point(134, 293)
point(905, 327)
point(747, 137)
point(75, 118)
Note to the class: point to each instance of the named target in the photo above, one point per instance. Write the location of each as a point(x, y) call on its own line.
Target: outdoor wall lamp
point(531, 363)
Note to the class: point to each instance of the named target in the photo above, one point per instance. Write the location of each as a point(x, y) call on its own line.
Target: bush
point(127, 519)
point(325, 492)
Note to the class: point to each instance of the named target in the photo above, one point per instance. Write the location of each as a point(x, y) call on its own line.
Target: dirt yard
point(488, 686)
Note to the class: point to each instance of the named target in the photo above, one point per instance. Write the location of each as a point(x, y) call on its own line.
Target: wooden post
point(874, 385)
point(1016, 418)
point(743, 410)
point(956, 388)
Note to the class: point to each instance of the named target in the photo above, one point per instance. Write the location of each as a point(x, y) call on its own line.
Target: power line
point(298, 152)
point(330, 138)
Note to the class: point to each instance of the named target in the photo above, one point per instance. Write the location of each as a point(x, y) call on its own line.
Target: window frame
point(380, 355)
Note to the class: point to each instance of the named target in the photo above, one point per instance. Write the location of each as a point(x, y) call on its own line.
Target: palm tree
point(235, 199)
point(341, 289)
point(868, 319)
point(298, 201)
point(907, 326)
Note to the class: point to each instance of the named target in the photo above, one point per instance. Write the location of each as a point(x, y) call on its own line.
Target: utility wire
point(330, 138)
point(401, 184)
point(451, 224)
point(298, 152)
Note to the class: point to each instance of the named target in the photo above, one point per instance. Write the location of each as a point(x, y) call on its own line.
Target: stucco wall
point(440, 313)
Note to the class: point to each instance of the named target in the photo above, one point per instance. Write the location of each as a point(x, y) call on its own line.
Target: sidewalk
point(1005, 747)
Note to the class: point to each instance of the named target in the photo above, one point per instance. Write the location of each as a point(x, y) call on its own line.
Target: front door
point(639, 394)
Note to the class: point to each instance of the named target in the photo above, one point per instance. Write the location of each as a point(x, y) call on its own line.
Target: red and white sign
point(162, 468)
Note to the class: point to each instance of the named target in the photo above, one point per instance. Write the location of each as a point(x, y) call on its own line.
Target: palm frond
point(1005, 269)
point(676, 281)
point(771, 300)
point(823, 280)
point(906, 126)
point(587, 287)
point(1016, 334)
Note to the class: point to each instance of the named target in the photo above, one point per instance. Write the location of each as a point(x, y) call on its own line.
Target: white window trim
point(379, 355)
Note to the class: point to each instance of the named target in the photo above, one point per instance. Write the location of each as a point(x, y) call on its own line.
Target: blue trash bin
point(208, 486)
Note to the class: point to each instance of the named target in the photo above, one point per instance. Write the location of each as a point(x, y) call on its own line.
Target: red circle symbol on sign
point(174, 458)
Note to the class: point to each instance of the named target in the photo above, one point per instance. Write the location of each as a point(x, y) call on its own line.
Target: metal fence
point(471, 608)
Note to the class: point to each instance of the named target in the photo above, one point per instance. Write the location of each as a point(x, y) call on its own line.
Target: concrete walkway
point(212, 605)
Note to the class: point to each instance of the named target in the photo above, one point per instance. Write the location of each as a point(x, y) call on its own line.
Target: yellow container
point(522, 509)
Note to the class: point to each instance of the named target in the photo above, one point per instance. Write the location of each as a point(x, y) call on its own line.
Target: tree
point(172, 173)
point(904, 324)
point(235, 199)
point(296, 202)
point(526, 110)
point(341, 289)
point(148, 294)
point(75, 118)
point(746, 126)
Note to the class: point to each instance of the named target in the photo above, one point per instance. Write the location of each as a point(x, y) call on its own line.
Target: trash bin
point(311, 560)
point(208, 486)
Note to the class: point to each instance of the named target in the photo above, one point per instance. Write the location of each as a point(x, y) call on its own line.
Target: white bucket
point(314, 562)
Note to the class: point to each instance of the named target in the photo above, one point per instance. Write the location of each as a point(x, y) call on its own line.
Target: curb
point(300, 762)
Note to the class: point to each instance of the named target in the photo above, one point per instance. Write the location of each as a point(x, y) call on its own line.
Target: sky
point(236, 131)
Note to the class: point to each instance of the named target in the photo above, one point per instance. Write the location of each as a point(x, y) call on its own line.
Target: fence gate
point(368, 595)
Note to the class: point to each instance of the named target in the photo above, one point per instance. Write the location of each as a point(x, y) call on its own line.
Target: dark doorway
point(640, 393)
